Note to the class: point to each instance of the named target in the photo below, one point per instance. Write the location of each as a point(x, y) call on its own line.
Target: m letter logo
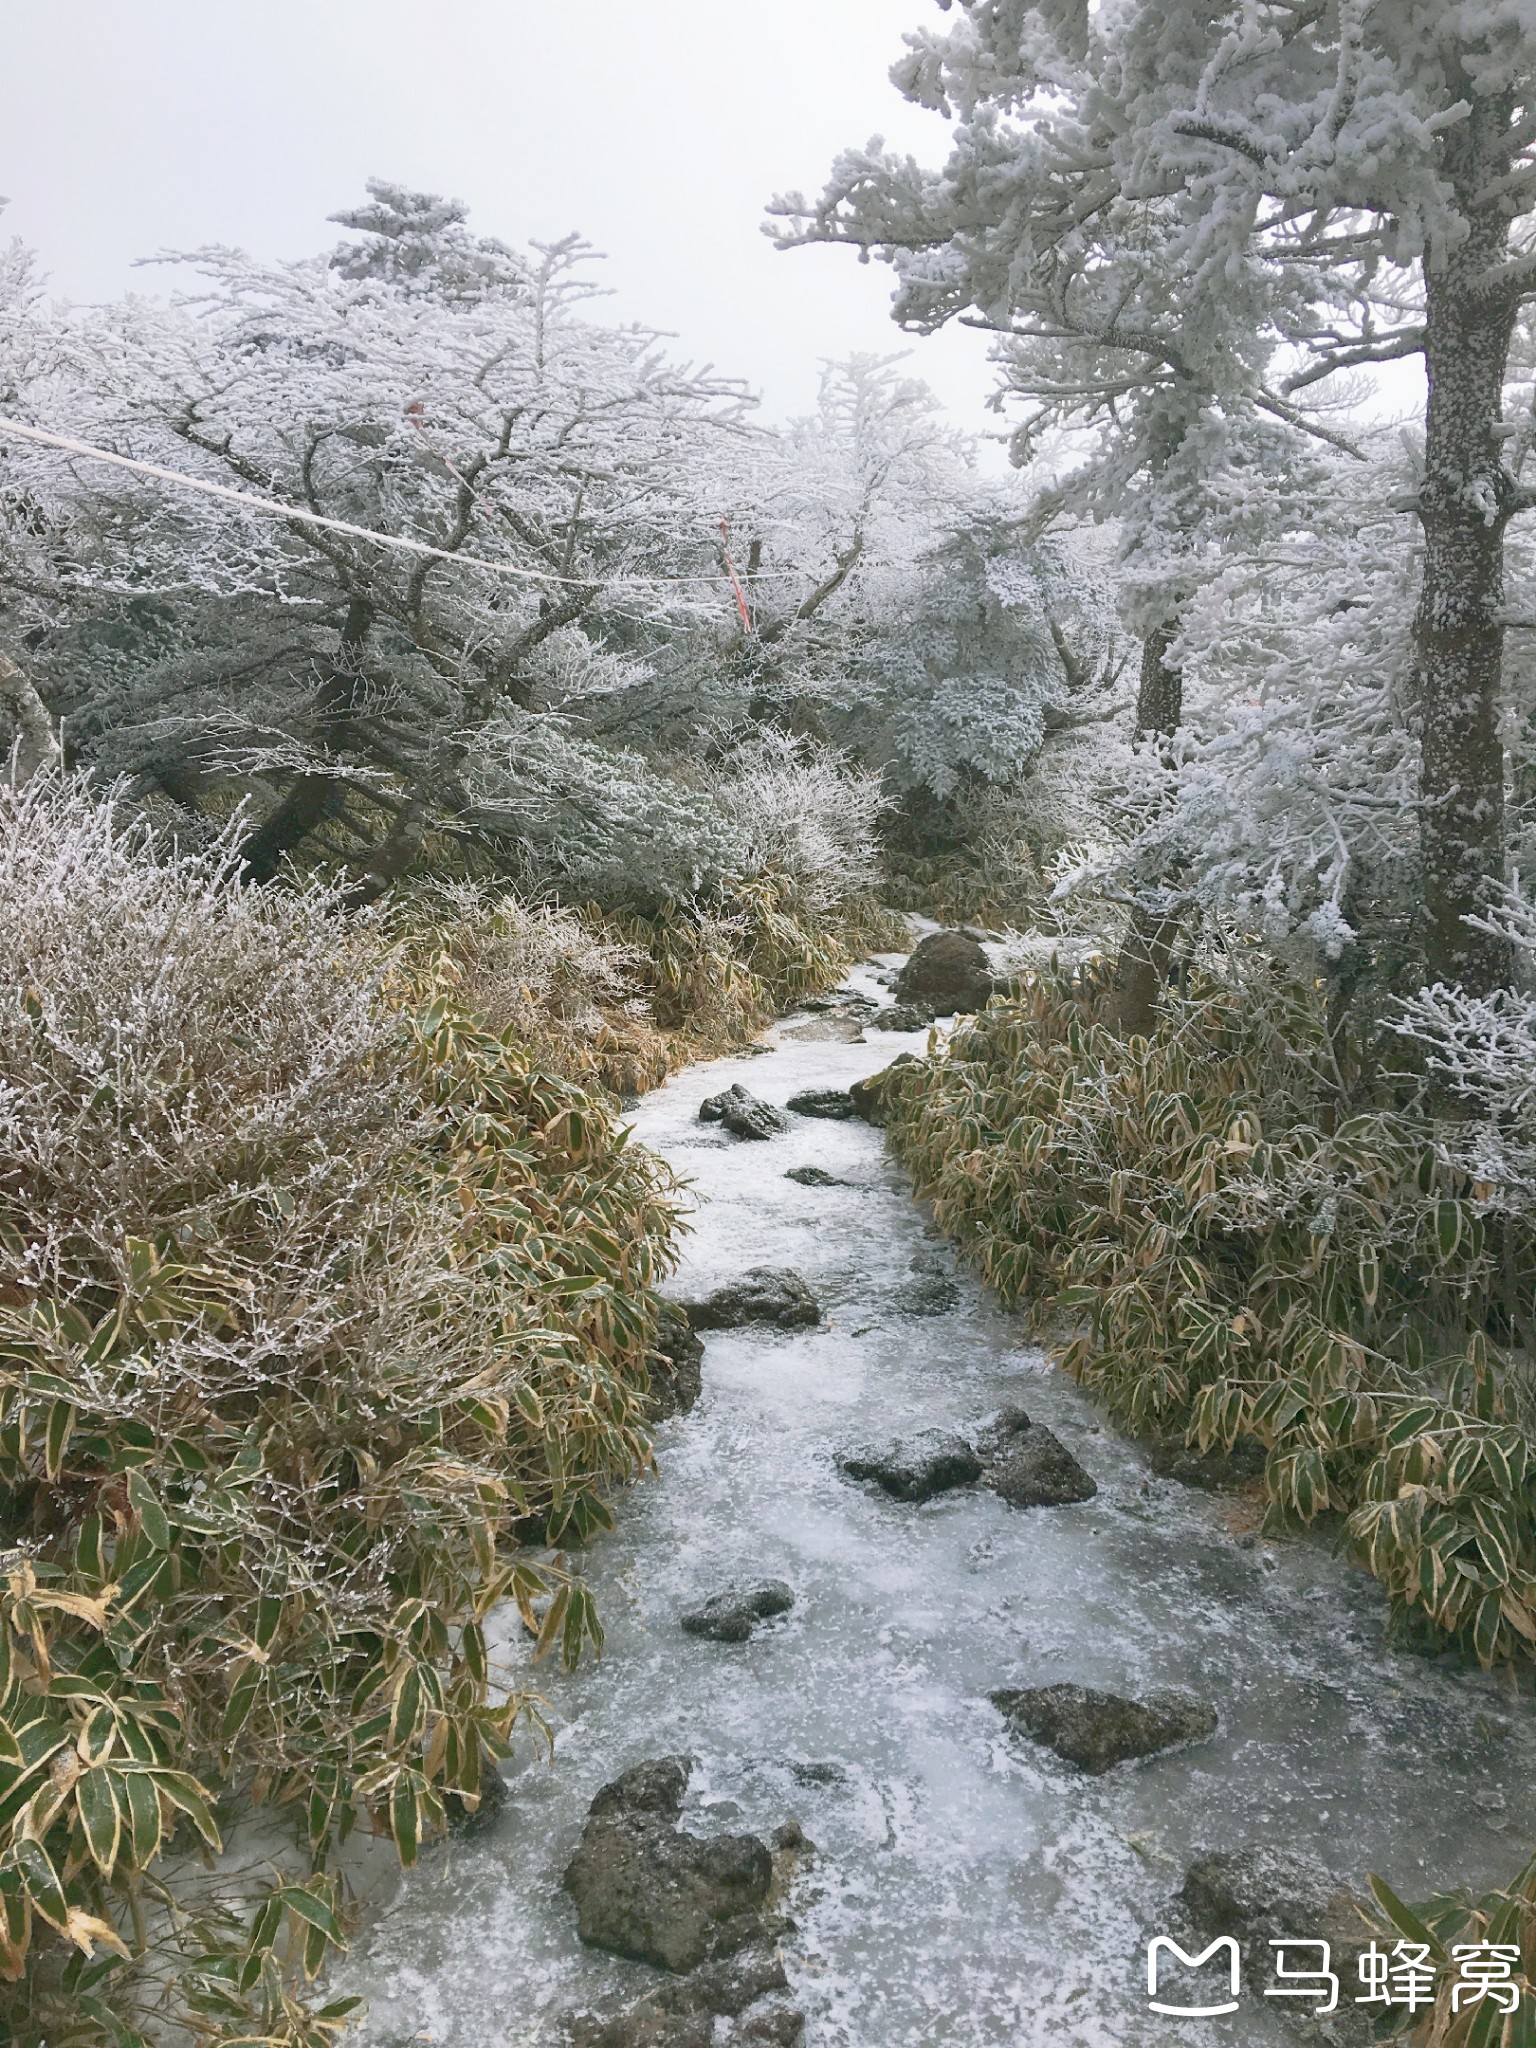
point(1193, 2012)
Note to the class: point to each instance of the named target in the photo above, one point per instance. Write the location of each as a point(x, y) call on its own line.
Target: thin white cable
point(279, 510)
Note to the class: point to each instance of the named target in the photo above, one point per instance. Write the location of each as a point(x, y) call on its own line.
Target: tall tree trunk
point(1458, 637)
point(1144, 956)
point(34, 744)
point(312, 798)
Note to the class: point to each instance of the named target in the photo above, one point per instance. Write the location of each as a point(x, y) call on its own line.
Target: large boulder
point(915, 1467)
point(947, 972)
point(676, 1364)
point(763, 1294)
point(731, 1615)
point(743, 1114)
point(1263, 1895)
point(1096, 1730)
point(833, 1103)
point(1029, 1465)
point(872, 1096)
point(681, 2014)
point(1267, 1894)
point(646, 1889)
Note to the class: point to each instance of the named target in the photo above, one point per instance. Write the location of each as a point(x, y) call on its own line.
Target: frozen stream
point(968, 1890)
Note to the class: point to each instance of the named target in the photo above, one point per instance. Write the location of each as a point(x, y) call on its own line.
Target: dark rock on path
point(1096, 1730)
point(1213, 1471)
point(743, 1114)
point(948, 972)
point(929, 1294)
point(1266, 1894)
point(763, 1294)
point(1030, 1466)
point(677, 1361)
point(871, 1095)
point(902, 1017)
point(818, 1772)
point(842, 1027)
point(915, 1467)
point(676, 2015)
point(644, 2026)
point(835, 1104)
point(732, 1615)
point(468, 1821)
point(646, 1889)
point(728, 1988)
point(839, 999)
point(815, 1177)
point(779, 2026)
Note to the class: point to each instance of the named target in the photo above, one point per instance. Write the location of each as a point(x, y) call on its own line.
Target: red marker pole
point(741, 596)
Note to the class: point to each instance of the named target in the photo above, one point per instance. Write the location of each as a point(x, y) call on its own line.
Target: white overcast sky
point(657, 128)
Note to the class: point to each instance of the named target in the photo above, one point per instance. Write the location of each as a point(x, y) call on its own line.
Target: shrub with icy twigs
point(306, 1301)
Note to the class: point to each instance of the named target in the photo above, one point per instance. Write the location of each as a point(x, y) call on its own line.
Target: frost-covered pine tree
point(415, 383)
point(1236, 203)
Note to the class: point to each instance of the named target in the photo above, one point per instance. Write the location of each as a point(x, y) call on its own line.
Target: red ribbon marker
point(741, 596)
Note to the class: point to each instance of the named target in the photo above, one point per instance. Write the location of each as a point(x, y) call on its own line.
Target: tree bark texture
point(34, 744)
point(311, 798)
point(1148, 946)
point(1464, 505)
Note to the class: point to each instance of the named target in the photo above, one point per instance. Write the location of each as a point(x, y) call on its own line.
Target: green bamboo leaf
point(145, 1503)
point(1449, 1223)
point(41, 1881)
point(242, 1698)
point(184, 1792)
point(1404, 1919)
point(267, 1924)
point(98, 1738)
point(61, 1423)
point(144, 1817)
point(405, 1714)
point(269, 1614)
point(304, 1905)
point(472, 1650)
point(553, 1623)
point(1485, 1629)
point(405, 1819)
point(101, 1819)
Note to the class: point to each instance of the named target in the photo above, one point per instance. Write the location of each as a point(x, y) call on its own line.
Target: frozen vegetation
point(444, 729)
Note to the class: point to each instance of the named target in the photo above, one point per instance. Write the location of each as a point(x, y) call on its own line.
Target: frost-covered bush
point(309, 1299)
point(598, 824)
point(531, 968)
point(1481, 1050)
point(806, 817)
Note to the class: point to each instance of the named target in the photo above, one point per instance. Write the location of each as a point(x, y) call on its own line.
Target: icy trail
point(968, 1890)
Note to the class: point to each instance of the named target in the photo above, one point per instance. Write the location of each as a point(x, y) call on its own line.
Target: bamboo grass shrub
point(1506, 1917)
point(618, 1000)
point(715, 975)
point(1241, 1265)
point(306, 1299)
